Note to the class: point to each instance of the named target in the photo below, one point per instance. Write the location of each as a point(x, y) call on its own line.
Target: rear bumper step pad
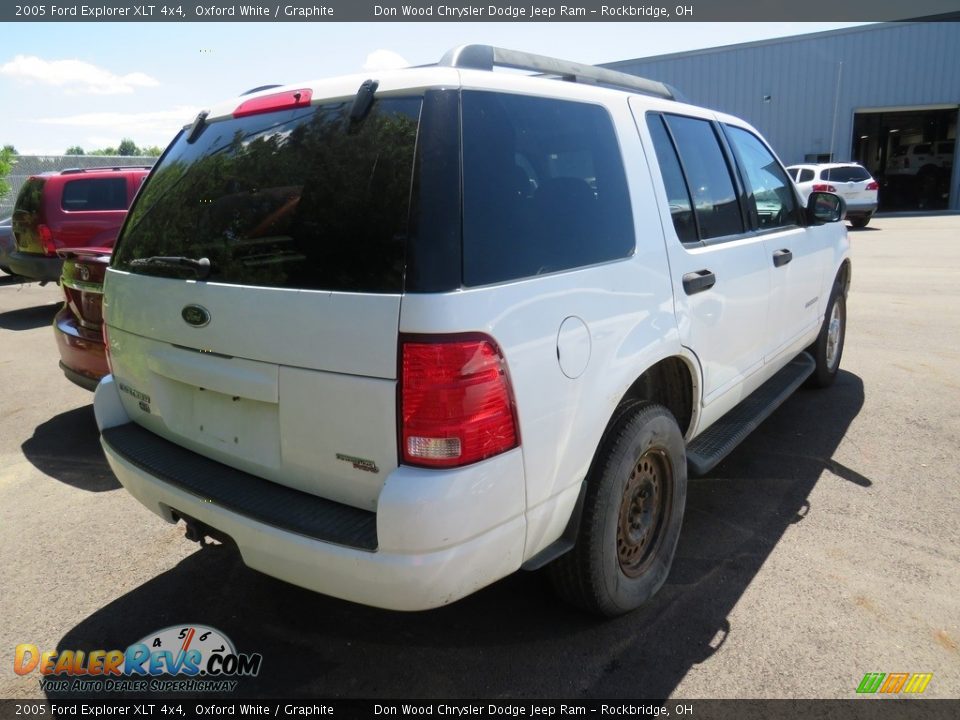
point(245, 494)
point(723, 436)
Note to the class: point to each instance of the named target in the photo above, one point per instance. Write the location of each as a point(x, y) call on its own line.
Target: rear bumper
point(436, 536)
point(36, 267)
point(82, 355)
point(861, 209)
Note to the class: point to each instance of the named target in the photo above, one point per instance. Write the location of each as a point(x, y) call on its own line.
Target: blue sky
point(92, 84)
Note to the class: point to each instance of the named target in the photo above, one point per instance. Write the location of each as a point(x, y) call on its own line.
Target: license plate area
point(243, 428)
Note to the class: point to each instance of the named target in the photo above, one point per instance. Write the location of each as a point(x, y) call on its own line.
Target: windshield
point(292, 199)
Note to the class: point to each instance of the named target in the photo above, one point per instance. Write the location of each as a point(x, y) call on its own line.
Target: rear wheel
point(860, 222)
point(633, 510)
point(828, 348)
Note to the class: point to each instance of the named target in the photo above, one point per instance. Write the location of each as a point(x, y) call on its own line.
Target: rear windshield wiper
point(200, 267)
point(362, 104)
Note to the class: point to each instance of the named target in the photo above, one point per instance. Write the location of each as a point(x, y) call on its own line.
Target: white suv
point(850, 181)
point(920, 158)
point(396, 343)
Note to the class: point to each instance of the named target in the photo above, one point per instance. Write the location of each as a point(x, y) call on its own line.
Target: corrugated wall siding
point(788, 88)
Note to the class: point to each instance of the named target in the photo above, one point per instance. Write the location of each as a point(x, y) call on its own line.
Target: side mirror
point(824, 207)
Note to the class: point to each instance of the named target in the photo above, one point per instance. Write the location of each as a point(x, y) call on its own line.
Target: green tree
point(6, 163)
point(74, 150)
point(127, 148)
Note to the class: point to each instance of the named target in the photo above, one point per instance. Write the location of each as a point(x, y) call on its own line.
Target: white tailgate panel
point(278, 384)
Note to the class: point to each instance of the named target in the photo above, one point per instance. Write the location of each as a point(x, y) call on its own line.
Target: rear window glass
point(544, 187)
point(293, 199)
point(95, 194)
point(29, 198)
point(846, 174)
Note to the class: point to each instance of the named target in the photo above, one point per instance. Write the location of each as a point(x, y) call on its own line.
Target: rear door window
point(293, 199)
point(544, 188)
point(708, 176)
point(678, 197)
point(95, 194)
point(806, 175)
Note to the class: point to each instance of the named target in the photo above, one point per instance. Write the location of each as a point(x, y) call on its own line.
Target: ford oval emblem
point(195, 315)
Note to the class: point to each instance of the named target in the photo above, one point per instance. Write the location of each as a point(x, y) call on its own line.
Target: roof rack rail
point(486, 57)
point(73, 171)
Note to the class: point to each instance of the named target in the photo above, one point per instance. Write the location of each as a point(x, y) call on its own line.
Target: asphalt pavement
point(825, 547)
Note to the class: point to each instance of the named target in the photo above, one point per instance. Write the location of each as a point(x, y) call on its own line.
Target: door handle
point(694, 282)
point(782, 257)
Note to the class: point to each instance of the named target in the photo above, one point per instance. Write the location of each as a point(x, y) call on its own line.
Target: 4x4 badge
point(195, 315)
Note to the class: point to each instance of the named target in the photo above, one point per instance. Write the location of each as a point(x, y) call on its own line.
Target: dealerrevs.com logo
point(180, 658)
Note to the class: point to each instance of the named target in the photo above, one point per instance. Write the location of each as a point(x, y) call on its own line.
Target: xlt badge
point(359, 463)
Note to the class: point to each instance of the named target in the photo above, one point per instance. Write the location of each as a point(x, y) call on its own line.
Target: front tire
point(632, 514)
point(828, 348)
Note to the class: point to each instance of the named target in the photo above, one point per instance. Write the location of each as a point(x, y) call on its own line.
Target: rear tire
point(828, 349)
point(860, 222)
point(632, 514)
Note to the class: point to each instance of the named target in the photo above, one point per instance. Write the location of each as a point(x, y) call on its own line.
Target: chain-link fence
point(27, 165)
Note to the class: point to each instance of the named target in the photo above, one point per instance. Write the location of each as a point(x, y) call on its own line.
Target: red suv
point(69, 209)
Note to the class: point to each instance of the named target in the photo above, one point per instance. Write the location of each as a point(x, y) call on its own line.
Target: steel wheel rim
point(644, 512)
point(833, 337)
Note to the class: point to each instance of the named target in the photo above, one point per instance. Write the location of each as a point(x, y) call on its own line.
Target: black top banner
point(482, 11)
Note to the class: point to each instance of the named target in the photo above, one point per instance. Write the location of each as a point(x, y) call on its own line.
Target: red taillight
point(456, 405)
point(45, 234)
point(824, 188)
point(288, 100)
point(872, 186)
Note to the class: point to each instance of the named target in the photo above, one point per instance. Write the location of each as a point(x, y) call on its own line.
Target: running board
point(712, 446)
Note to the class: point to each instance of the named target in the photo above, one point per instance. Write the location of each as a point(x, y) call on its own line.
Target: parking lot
point(825, 547)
